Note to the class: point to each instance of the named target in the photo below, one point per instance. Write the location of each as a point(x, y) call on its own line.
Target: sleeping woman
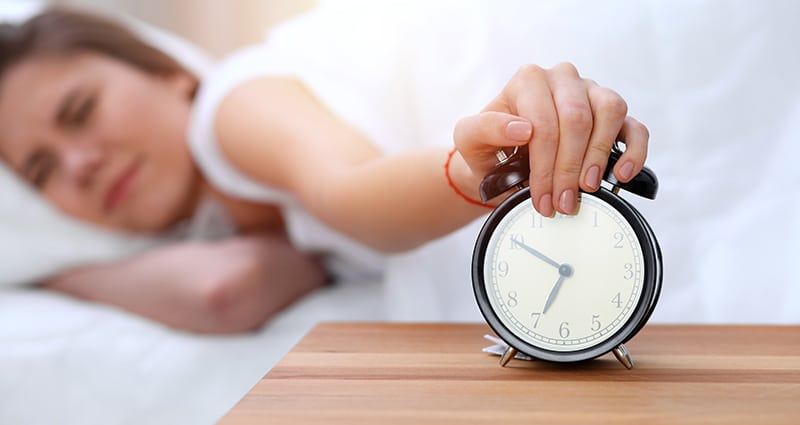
point(114, 132)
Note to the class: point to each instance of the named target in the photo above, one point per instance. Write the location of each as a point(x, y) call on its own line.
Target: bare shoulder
point(255, 126)
point(277, 131)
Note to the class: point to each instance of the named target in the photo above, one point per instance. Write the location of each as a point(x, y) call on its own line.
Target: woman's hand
point(569, 123)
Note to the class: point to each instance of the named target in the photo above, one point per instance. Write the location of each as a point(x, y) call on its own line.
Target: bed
point(715, 81)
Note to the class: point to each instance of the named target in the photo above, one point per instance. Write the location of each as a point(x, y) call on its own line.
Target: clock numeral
point(618, 238)
point(517, 239)
point(596, 322)
point(563, 330)
point(536, 221)
point(617, 300)
point(535, 317)
point(628, 271)
point(502, 269)
point(512, 299)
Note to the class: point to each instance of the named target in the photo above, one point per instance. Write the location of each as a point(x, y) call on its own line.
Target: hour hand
point(564, 271)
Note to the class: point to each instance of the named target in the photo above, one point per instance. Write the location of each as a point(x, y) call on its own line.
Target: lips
point(121, 187)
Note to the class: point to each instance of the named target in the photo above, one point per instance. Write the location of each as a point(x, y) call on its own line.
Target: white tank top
point(345, 257)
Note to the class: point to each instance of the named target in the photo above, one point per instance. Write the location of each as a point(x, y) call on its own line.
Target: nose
point(81, 163)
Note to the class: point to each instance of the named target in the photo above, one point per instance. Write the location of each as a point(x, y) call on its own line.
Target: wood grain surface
point(373, 373)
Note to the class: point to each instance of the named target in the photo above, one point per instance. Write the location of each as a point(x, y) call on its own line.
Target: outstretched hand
point(570, 125)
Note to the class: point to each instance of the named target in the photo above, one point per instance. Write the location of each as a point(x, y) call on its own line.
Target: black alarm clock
point(566, 288)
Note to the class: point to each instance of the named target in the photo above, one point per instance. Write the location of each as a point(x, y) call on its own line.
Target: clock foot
point(507, 356)
point(624, 357)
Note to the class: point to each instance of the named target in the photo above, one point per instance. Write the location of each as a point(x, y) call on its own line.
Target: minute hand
point(536, 253)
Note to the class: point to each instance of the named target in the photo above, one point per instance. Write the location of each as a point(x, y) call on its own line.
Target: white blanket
point(715, 81)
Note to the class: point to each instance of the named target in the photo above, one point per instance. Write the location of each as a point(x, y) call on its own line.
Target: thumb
point(479, 136)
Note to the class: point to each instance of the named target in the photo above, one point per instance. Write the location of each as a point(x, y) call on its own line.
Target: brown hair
point(62, 31)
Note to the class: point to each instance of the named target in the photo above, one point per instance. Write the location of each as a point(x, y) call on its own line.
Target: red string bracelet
point(453, 185)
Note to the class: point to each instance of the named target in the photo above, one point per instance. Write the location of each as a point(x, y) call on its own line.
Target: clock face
point(566, 283)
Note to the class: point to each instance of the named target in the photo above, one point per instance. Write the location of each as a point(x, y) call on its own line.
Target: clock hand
point(564, 271)
point(536, 253)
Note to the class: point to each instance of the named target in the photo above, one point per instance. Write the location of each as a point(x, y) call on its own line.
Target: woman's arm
point(276, 131)
point(211, 287)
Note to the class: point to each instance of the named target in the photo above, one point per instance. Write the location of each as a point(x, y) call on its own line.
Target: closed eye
point(76, 107)
point(39, 167)
point(84, 110)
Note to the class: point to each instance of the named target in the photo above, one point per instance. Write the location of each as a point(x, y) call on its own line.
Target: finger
point(530, 97)
point(479, 136)
point(575, 124)
point(636, 138)
point(609, 110)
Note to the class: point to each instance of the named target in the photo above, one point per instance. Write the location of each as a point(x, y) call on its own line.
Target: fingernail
point(592, 179)
point(518, 131)
point(626, 171)
point(567, 202)
point(546, 205)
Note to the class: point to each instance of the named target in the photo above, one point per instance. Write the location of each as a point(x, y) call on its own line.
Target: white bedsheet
point(69, 362)
point(715, 81)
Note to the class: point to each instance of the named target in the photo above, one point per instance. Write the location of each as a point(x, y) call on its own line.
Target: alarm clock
point(566, 288)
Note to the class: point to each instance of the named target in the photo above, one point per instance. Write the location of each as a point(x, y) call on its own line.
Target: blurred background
point(217, 26)
point(718, 91)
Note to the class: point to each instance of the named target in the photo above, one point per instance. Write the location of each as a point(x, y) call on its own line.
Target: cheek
point(165, 192)
point(152, 126)
point(165, 201)
point(148, 109)
point(65, 199)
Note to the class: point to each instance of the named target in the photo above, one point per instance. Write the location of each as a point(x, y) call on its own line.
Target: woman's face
point(100, 139)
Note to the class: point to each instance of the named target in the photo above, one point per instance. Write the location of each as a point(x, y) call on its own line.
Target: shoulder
point(256, 126)
point(243, 65)
point(233, 105)
point(277, 131)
